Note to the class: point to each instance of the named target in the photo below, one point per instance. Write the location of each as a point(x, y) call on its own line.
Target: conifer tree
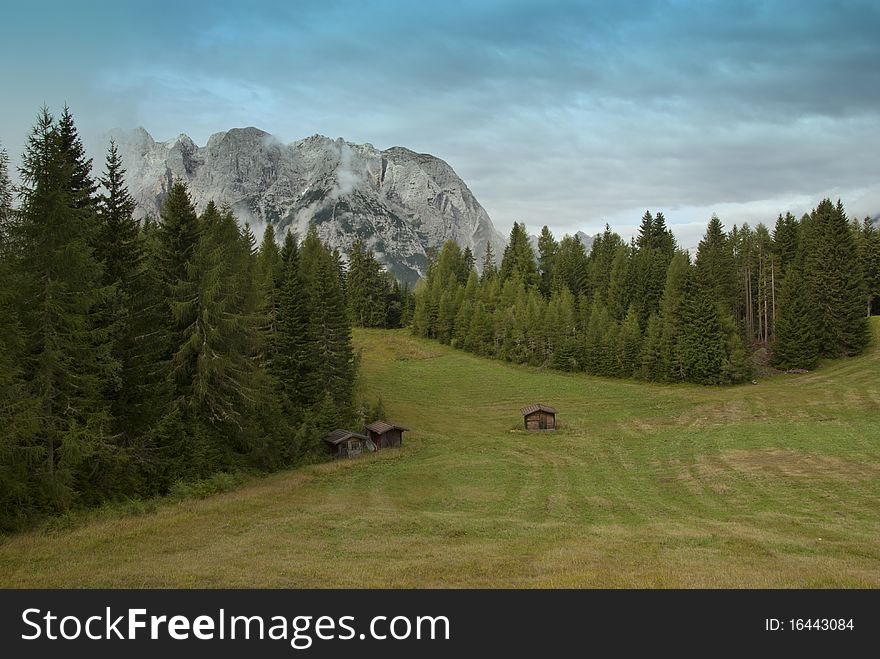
point(835, 286)
point(869, 259)
point(702, 342)
point(570, 266)
point(796, 343)
point(489, 270)
point(129, 311)
point(670, 318)
point(329, 356)
point(714, 264)
point(650, 357)
point(519, 259)
point(629, 344)
point(68, 358)
point(548, 249)
point(785, 240)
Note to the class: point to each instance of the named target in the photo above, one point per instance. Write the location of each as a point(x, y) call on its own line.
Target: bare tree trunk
point(773, 291)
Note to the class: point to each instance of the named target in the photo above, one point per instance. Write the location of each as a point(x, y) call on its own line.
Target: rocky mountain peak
point(399, 203)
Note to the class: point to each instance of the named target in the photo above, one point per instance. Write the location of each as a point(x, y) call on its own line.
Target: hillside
point(774, 484)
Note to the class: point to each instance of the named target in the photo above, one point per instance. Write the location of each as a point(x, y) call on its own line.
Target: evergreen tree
point(869, 258)
point(570, 267)
point(367, 288)
point(651, 357)
point(468, 263)
point(629, 344)
point(67, 359)
point(796, 343)
point(619, 290)
point(548, 249)
point(129, 312)
point(670, 318)
point(329, 356)
point(600, 261)
point(489, 269)
point(714, 264)
point(785, 240)
point(702, 342)
point(519, 259)
point(835, 286)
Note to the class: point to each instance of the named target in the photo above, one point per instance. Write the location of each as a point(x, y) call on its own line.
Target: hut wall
point(540, 420)
point(394, 438)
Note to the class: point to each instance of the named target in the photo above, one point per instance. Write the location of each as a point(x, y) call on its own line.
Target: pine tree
point(570, 267)
point(618, 295)
point(131, 314)
point(670, 319)
point(702, 342)
point(835, 286)
point(68, 359)
point(785, 240)
point(468, 263)
point(869, 258)
point(489, 270)
point(519, 259)
point(714, 264)
point(548, 249)
point(796, 343)
point(629, 344)
point(367, 289)
point(650, 357)
point(329, 356)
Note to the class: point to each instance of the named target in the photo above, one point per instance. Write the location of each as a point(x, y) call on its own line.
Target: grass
point(768, 485)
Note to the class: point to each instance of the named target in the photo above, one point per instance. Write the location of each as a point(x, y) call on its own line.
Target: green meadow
point(774, 484)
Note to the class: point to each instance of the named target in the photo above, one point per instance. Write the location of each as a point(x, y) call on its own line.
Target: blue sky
point(565, 113)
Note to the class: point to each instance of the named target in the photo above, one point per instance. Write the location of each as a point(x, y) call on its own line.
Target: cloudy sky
point(569, 114)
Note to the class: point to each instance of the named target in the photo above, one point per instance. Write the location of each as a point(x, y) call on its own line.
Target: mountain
point(401, 204)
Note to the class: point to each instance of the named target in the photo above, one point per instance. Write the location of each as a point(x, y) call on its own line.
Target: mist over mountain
point(399, 203)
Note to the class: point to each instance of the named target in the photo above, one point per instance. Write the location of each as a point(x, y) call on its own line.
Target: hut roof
point(538, 407)
point(381, 427)
point(341, 435)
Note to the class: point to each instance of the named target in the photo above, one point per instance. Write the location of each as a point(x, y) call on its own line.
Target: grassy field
point(774, 484)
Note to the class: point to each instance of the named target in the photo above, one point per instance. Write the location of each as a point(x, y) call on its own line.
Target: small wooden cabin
point(539, 417)
point(345, 444)
point(386, 435)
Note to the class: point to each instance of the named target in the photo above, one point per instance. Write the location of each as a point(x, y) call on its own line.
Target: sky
point(569, 114)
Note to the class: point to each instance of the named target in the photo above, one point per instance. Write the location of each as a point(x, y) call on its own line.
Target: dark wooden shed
point(385, 435)
point(539, 417)
point(345, 444)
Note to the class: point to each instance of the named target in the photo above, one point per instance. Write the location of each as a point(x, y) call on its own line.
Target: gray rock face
point(401, 204)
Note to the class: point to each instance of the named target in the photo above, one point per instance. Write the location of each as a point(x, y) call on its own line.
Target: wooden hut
point(345, 444)
point(539, 417)
point(385, 435)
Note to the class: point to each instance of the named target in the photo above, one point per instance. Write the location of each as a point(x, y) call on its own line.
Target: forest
point(751, 300)
point(138, 356)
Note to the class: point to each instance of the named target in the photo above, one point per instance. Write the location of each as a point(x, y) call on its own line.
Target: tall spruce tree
point(519, 259)
point(835, 286)
point(548, 249)
point(67, 358)
point(796, 342)
point(714, 264)
point(702, 341)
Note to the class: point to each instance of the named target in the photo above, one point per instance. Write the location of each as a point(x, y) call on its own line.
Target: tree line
point(136, 356)
point(645, 309)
